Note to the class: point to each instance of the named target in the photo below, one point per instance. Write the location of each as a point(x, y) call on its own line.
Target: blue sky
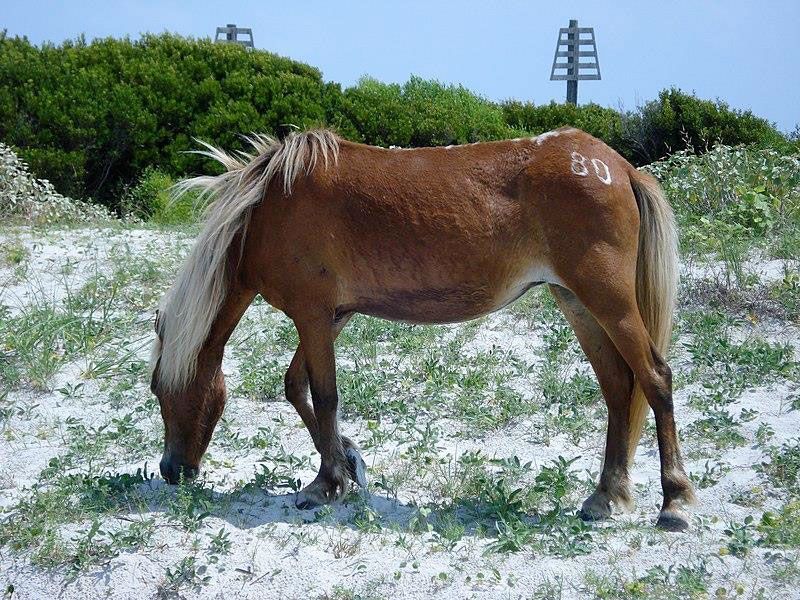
point(731, 50)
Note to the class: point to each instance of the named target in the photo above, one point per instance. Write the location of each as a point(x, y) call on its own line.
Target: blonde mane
point(188, 309)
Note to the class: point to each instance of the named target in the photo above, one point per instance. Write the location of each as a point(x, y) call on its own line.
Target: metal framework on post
point(568, 46)
point(231, 35)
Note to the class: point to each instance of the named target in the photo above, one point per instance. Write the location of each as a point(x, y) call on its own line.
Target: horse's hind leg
point(615, 308)
point(616, 382)
point(296, 386)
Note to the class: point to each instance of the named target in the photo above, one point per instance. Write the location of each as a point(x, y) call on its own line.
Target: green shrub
point(734, 196)
point(421, 113)
point(604, 123)
point(781, 529)
point(151, 200)
point(679, 121)
point(451, 114)
point(91, 117)
point(25, 198)
point(378, 113)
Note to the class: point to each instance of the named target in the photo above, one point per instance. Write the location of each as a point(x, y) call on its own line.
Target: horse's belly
point(447, 303)
point(425, 306)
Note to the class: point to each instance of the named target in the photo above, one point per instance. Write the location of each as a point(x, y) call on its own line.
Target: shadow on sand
point(248, 507)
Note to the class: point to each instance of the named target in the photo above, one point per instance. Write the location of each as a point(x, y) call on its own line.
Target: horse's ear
point(156, 325)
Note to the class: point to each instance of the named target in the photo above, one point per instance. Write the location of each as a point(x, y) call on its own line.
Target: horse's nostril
point(172, 471)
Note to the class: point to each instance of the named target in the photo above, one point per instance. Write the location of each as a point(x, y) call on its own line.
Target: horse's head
point(190, 411)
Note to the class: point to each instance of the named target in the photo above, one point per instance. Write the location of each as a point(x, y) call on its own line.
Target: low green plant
point(40, 339)
point(786, 291)
point(152, 199)
point(13, 253)
point(720, 427)
point(187, 573)
point(512, 535)
point(741, 538)
point(728, 367)
point(732, 200)
point(751, 497)
point(781, 529)
point(711, 475)
point(35, 521)
point(219, 544)
point(94, 546)
point(191, 505)
point(783, 467)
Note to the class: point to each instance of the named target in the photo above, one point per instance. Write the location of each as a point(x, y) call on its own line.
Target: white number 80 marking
point(580, 168)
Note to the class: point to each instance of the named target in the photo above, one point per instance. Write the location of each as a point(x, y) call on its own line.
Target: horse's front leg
point(316, 338)
point(296, 386)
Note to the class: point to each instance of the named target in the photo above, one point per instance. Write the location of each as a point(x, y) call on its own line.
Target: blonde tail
point(656, 281)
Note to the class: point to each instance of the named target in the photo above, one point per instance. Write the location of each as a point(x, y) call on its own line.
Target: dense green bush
point(24, 198)
point(378, 113)
point(674, 122)
point(151, 199)
point(421, 113)
point(731, 198)
point(92, 118)
point(678, 121)
point(604, 123)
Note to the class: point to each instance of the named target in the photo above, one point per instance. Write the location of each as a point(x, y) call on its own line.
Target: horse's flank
point(425, 235)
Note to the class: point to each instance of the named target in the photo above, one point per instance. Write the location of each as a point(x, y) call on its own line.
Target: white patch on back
point(539, 139)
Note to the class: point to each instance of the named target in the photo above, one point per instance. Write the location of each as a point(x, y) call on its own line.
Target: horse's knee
point(295, 385)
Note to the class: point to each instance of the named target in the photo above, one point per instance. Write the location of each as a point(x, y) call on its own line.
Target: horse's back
point(471, 178)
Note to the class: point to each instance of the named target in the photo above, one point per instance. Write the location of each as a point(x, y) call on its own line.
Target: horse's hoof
point(305, 503)
point(312, 496)
point(356, 467)
point(590, 516)
point(672, 520)
point(323, 490)
point(595, 509)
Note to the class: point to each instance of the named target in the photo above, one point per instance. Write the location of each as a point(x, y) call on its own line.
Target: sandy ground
point(277, 551)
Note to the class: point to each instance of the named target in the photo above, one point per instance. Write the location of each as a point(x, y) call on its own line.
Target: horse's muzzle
point(173, 470)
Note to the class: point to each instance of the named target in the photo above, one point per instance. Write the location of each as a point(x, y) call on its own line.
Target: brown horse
point(323, 228)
